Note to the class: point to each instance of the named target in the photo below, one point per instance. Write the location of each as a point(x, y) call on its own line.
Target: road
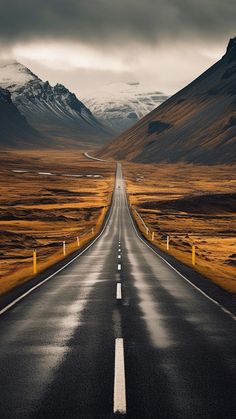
point(117, 330)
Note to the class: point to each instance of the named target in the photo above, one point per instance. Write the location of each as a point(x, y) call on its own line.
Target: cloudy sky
point(85, 44)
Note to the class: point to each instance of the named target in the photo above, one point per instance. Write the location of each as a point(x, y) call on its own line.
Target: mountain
point(14, 129)
point(53, 110)
point(121, 105)
point(197, 124)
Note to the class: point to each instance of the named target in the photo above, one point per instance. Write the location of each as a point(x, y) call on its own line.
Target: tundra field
point(192, 204)
point(48, 197)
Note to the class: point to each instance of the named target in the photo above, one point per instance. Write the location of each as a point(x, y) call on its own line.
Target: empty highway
point(117, 333)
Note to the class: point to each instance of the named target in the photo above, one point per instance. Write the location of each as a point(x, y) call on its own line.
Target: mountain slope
point(14, 129)
point(121, 105)
point(197, 124)
point(53, 110)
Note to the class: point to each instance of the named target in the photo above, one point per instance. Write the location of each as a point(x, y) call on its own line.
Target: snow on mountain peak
point(54, 110)
point(120, 105)
point(14, 75)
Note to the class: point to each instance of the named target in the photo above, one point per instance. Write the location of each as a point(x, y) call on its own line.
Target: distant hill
point(197, 124)
point(120, 105)
point(53, 110)
point(14, 129)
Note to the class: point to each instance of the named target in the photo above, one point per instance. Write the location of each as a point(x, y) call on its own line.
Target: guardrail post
point(167, 242)
point(64, 247)
point(193, 254)
point(34, 261)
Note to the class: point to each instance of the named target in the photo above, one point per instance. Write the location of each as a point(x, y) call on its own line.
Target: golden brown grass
point(193, 205)
point(40, 211)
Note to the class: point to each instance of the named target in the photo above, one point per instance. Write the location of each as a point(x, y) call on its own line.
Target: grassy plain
point(48, 197)
point(192, 204)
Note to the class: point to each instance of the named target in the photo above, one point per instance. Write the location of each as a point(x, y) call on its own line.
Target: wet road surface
point(117, 333)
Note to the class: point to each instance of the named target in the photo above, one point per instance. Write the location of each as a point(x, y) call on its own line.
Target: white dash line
point(119, 402)
point(118, 292)
point(119, 256)
point(119, 267)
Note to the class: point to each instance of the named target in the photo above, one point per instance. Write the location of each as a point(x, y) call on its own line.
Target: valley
point(117, 209)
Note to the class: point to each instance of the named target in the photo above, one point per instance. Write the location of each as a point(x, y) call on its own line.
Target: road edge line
point(233, 317)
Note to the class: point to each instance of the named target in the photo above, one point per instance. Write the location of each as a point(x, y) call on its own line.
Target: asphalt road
point(117, 330)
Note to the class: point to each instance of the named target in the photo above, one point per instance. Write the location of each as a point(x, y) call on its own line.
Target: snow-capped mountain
point(121, 105)
point(53, 110)
point(14, 129)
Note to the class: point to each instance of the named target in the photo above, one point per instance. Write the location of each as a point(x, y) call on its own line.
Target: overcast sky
point(84, 44)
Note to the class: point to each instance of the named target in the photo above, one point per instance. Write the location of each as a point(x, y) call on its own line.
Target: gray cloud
point(116, 21)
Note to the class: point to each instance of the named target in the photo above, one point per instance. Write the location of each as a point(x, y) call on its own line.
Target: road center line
point(119, 402)
point(118, 292)
point(119, 267)
point(119, 256)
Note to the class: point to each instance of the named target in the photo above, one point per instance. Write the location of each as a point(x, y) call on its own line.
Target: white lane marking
point(119, 256)
point(119, 266)
point(119, 401)
point(45, 173)
point(233, 317)
point(118, 292)
point(61, 269)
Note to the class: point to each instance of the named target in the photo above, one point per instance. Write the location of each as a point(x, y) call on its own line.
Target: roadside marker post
point(64, 247)
point(92, 231)
point(34, 261)
point(147, 231)
point(167, 242)
point(153, 235)
point(193, 254)
point(78, 241)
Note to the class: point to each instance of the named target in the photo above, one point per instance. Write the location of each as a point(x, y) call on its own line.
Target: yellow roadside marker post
point(167, 242)
point(92, 231)
point(78, 241)
point(153, 235)
point(193, 254)
point(64, 247)
point(34, 261)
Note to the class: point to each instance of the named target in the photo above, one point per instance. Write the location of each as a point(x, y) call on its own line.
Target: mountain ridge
point(199, 122)
point(53, 110)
